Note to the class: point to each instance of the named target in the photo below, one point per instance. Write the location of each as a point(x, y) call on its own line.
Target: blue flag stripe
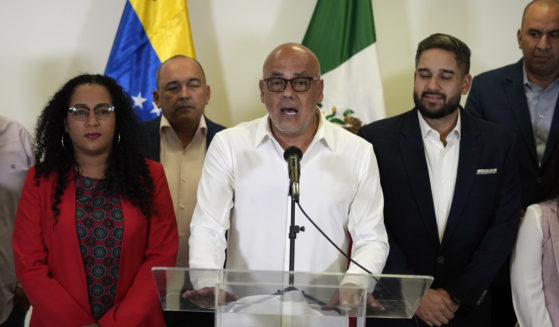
point(133, 63)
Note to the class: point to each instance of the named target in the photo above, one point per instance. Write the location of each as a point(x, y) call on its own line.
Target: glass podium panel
point(277, 298)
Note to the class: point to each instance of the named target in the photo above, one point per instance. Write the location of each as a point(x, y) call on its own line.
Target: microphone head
point(291, 151)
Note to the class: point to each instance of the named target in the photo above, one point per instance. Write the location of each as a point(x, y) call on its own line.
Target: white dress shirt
point(526, 272)
point(244, 191)
point(442, 162)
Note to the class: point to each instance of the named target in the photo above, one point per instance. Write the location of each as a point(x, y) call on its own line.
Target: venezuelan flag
point(150, 32)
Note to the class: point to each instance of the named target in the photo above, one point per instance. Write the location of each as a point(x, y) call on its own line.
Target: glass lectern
point(275, 298)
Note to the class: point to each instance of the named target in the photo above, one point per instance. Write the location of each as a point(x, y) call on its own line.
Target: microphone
point(293, 155)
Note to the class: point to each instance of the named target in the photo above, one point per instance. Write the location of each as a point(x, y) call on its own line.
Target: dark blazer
point(151, 145)
point(482, 222)
point(498, 96)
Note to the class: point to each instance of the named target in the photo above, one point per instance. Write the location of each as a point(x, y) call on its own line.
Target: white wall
point(45, 43)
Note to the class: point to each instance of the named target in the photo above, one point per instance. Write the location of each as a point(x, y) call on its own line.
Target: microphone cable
point(415, 318)
point(332, 242)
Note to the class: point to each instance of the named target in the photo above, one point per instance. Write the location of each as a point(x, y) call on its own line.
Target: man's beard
point(448, 107)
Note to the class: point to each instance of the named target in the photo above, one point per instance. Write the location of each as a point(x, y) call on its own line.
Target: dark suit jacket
point(482, 222)
point(151, 145)
point(498, 96)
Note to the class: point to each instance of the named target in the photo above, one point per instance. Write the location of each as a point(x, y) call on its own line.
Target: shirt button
point(440, 259)
point(181, 206)
point(183, 180)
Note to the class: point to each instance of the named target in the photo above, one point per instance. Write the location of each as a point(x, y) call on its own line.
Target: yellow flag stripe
point(166, 25)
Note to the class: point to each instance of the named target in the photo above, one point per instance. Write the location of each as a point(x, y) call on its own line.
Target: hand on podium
point(205, 297)
point(350, 296)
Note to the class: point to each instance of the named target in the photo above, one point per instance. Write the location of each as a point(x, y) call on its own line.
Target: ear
point(321, 90)
point(261, 85)
point(466, 83)
point(66, 125)
point(519, 38)
point(208, 94)
point(156, 98)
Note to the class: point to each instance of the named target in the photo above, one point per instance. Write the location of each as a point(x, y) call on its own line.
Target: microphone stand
point(293, 230)
point(290, 154)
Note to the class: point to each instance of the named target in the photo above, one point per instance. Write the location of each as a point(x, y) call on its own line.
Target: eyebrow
point(445, 71)
point(83, 105)
point(538, 30)
point(193, 79)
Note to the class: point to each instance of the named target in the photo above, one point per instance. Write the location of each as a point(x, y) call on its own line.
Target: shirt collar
point(533, 86)
point(202, 128)
point(427, 130)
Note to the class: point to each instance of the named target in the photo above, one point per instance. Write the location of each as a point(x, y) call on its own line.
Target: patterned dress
point(100, 228)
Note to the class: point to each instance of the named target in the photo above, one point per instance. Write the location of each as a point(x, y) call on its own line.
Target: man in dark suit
point(451, 191)
point(523, 98)
point(179, 139)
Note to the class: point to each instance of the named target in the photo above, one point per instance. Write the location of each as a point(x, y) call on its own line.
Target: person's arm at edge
point(366, 220)
point(526, 272)
point(211, 216)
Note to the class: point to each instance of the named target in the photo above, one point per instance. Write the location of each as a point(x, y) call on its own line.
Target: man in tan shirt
point(180, 136)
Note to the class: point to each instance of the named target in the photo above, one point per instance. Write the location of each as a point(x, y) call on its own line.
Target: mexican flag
point(342, 35)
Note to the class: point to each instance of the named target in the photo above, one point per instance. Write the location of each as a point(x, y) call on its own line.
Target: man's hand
point(350, 296)
point(436, 307)
point(205, 297)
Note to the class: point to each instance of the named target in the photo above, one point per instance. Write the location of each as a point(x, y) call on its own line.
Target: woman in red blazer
point(94, 216)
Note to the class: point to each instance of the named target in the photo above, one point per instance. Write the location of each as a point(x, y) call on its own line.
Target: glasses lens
point(79, 113)
point(300, 84)
point(276, 84)
point(103, 112)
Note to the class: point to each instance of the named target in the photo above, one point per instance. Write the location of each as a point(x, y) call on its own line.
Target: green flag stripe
point(338, 30)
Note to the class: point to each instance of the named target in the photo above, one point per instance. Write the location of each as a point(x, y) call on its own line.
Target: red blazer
point(49, 265)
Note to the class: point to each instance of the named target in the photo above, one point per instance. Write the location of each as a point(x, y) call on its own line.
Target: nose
point(185, 93)
point(92, 119)
point(432, 83)
point(543, 42)
point(288, 91)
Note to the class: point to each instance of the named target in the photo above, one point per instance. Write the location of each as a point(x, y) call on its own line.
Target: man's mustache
point(424, 94)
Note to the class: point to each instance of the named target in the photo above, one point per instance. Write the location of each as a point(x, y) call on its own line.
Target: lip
point(289, 111)
point(92, 135)
point(184, 106)
point(542, 58)
point(433, 97)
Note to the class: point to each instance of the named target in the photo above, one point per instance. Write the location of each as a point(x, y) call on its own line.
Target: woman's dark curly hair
point(126, 174)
